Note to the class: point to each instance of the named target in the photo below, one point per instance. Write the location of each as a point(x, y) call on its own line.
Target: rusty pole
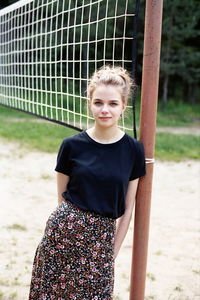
point(150, 80)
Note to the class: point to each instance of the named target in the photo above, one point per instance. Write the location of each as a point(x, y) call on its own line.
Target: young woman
point(97, 178)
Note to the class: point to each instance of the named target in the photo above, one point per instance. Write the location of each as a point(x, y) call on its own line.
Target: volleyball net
point(50, 48)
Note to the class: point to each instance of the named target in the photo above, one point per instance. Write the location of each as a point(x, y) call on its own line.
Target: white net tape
point(49, 49)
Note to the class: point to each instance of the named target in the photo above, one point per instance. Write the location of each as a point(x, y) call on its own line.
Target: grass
point(17, 227)
point(174, 113)
point(158, 252)
point(46, 136)
point(13, 295)
point(177, 113)
point(196, 272)
point(177, 146)
point(1, 295)
point(151, 276)
point(178, 288)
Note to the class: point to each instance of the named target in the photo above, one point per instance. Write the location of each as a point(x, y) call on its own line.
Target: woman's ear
point(124, 106)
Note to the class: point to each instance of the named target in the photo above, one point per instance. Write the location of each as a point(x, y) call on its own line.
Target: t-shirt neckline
point(101, 144)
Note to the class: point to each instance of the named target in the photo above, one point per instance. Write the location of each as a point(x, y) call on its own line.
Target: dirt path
point(28, 195)
point(195, 130)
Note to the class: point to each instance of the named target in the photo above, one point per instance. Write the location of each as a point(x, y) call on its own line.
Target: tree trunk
point(165, 89)
point(167, 55)
point(192, 88)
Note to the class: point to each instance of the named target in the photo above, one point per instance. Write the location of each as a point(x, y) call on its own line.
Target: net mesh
point(49, 49)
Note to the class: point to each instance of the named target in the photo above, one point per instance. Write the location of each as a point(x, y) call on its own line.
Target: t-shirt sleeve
point(63, 164)
point(139, 167)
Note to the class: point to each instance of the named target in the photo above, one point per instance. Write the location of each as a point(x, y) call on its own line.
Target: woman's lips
point(104, 118)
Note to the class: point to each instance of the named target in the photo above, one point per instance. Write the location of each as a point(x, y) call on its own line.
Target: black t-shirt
point(100, 173)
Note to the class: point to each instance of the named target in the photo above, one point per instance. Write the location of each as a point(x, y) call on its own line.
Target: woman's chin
point(105, 124)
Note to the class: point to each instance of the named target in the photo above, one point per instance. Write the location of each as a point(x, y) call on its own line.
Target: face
point(106, 105)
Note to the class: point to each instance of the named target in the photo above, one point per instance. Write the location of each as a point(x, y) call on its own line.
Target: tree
point(5, 3)
point(179, 55)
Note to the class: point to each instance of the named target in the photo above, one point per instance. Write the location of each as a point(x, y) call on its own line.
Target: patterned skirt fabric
point(74, 260)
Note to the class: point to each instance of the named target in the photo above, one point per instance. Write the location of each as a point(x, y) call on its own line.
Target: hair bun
point(111, 75)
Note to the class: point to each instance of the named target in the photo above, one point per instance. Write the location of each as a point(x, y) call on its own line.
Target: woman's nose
point(105, 108)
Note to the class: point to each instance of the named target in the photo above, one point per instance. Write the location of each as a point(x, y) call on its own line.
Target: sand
point(28, 196)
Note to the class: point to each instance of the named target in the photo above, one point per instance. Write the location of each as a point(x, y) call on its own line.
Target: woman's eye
point(111, 104)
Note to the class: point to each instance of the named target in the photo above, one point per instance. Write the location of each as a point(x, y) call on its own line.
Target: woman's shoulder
point(134, 143)
point(74, 141)
point(72, 138)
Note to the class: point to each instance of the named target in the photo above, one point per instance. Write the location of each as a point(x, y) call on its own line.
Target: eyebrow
point(114, 100)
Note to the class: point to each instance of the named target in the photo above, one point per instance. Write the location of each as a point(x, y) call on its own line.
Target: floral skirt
point(74, 259)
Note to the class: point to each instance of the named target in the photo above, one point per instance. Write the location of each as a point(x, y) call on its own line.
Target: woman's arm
point(124, 221)
point(62, 181)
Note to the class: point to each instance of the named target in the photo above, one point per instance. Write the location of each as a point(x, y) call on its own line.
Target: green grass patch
point(46, 136)
point(178, 113)
point(196, 272)
point(36, 136)
point(177, 146)
point(6, 112)
point(13, 295)
point(178, 288)
point(174, 113)
point(17, 227)
point(151, 276)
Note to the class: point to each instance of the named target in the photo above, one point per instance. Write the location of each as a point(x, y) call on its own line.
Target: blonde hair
point(109, 75)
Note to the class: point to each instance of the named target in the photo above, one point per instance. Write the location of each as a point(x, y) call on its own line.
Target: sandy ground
point(28, 196)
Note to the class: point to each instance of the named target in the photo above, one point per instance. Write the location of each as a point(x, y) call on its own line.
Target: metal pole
point(150, 79)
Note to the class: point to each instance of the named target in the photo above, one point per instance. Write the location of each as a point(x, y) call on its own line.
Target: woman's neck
point(105, 135)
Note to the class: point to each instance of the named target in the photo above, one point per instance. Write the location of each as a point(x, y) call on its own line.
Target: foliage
point(180, 56)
